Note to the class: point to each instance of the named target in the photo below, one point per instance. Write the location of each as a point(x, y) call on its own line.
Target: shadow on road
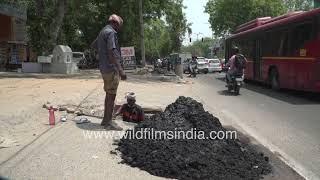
point(146, 80)
point(221, 79)
point(90, 126)
point(89, 74)
point(285, 95)
point(83, 74)
point(226, 93)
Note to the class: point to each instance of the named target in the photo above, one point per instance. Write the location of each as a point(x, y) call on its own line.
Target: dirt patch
point(199, 158)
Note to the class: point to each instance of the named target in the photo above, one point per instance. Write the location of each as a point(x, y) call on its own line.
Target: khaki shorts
point(111, 82)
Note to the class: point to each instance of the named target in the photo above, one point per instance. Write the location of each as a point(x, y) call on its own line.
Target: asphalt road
point(286, 122)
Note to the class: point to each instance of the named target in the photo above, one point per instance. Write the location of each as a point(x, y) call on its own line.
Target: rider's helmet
point(235, 49)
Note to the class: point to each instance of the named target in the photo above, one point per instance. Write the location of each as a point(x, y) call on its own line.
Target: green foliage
point(226, 15)
point(294, 5)
point(157, 43)
point(199, 47)
point(38, 24)
point(177, 23)
point(83, 19)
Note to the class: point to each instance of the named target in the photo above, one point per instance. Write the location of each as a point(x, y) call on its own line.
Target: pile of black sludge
point(195, 158)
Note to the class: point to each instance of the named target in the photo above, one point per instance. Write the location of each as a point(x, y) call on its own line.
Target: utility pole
point(198, 35)
point(143, 55)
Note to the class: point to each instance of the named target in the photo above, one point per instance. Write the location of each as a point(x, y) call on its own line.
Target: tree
point(44, 24)
point(294, 5)
point(199, 47)
point(226, 15)
point(177, 22)
point(157, 41)
point(77, 22)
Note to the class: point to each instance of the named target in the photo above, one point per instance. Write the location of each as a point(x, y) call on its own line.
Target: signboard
point(129, 62)
point(127, 51)
point(128, 57)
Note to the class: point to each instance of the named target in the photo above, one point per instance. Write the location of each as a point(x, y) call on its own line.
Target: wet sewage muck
point(198, 157)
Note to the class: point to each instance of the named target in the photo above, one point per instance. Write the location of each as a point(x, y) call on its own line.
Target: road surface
point(63, 152)
point(288, 123)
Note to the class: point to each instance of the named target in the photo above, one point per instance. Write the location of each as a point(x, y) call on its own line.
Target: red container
point(52, 119)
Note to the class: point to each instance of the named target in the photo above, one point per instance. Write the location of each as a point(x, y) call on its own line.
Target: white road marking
point(308, 175)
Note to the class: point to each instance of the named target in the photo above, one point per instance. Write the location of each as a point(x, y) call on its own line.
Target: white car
point(202, 65)
point(214, 65)
point(77, 56)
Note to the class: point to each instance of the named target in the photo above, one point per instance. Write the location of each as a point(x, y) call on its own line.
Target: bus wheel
point(274, 79)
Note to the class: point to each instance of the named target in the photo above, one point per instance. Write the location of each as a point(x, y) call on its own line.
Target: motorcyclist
point(236, 64)
point(193, 65)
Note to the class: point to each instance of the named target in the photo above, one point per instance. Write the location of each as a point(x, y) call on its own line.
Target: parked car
point(79, 58)
point(214, 65)
point(203, 65)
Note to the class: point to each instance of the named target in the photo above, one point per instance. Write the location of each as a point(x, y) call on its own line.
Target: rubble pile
point(190, 158)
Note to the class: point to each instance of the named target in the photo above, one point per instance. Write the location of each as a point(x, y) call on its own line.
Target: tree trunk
point(143, 53)
point(57, 22)
point(40, 7)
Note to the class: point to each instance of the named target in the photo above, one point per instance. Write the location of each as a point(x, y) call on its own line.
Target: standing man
point(110, 67)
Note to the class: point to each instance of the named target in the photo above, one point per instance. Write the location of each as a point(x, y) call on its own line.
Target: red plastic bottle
point(52, 119)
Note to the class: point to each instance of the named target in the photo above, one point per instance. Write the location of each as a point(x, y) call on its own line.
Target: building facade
point(13, 46)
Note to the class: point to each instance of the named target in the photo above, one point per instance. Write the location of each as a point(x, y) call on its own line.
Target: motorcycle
point(235, 84)
point(193, 70)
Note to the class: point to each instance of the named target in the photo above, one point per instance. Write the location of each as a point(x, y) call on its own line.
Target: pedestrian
point(110, 66)
point(193, 66)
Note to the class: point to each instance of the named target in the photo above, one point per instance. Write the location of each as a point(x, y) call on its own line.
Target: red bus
point(283, 52)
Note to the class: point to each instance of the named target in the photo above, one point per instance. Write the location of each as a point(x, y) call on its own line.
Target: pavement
point(286, 122)
point(64, 151)
point(283, 123)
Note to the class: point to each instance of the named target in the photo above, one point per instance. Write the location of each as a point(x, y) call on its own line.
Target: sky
point(195, 14)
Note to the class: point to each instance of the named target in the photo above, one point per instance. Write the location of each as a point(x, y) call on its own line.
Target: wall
point(6, 28)
point(19, 29)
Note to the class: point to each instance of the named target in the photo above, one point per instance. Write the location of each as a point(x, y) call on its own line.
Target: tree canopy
point(77, 22)
point(226, 15)
point(200, 47)
point(293, 5)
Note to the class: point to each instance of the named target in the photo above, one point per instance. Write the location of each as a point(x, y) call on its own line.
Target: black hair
point(236, 49)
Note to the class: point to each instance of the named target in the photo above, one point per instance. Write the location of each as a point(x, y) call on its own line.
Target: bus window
point(283, 50)
point(248, 49)
point(301, 34)
point(275, 43)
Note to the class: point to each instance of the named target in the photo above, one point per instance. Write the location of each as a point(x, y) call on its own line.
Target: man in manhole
point(131, 112)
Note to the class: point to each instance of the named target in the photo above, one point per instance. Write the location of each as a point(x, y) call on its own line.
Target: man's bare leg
point(105, 116)
point(107, 119)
